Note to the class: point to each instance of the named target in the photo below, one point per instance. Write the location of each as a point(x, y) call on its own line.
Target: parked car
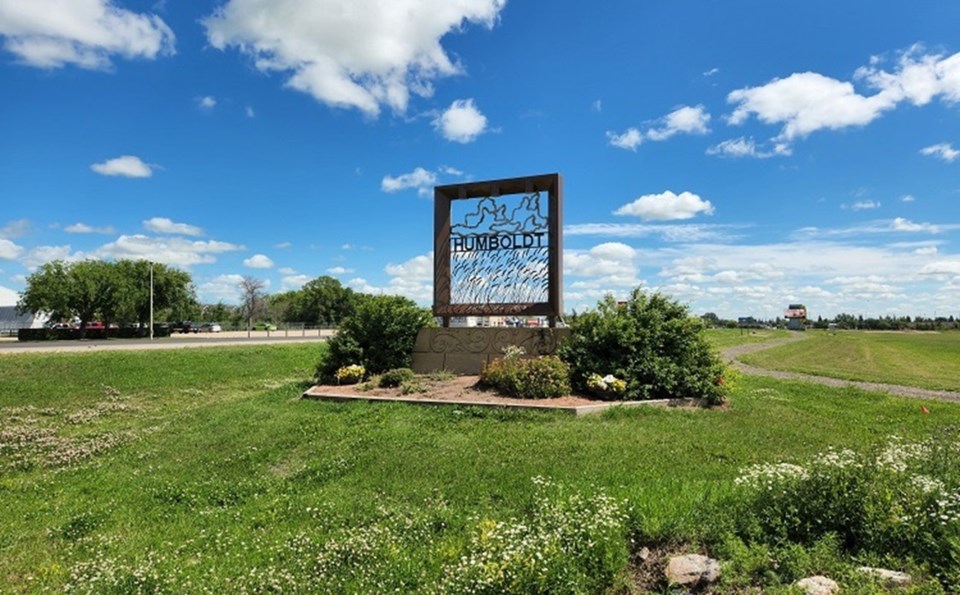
point(264, 326)
point(185, 326)
point(95, 325)
point(211, 327)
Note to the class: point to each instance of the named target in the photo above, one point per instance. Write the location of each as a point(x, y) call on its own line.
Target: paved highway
point(12, 346)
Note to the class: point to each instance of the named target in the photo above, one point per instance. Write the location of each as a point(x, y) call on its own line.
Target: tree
point(323, 301)
point(711, 320)
point(220, 312)
point(173, 293)
point(114, 292)
point(72, 290)
point(47, 291)
point(253, 299)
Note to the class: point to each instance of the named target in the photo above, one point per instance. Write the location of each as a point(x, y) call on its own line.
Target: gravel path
point(730, 355)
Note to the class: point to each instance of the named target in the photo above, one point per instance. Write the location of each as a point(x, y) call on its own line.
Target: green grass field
point(725, 337)
point(203, 470)
point(928, 360)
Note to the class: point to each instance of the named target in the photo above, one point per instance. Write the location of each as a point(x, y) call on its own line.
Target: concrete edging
point(575, 410)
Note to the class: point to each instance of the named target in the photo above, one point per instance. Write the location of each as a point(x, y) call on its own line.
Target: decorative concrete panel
point(466, 350)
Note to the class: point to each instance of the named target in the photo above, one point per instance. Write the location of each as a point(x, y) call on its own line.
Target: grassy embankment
point(202, 470)
point(928, 360)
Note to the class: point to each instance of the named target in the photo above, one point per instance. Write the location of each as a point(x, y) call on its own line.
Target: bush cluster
point(395, 377)
point(527, 378)
point(652, 343)
point(899, 500)
point(379, 335)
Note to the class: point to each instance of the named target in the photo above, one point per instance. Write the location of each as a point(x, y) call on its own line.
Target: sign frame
point(443, 198)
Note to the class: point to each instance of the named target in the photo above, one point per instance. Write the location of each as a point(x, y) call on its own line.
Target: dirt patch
point(457, 389)
point(463, 390)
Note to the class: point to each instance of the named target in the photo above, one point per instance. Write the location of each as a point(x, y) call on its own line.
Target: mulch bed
point(463, 390)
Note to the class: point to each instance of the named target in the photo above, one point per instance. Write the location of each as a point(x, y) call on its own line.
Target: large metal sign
point(498, 248)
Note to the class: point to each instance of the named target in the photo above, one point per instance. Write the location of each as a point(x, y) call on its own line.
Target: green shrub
point(652, 343)
point(396, 377)
point(900, 501)
point(379, 335)
point(533, 378)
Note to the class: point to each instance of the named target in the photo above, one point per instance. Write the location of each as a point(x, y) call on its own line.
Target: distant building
point(796, 316)
point(11, 321)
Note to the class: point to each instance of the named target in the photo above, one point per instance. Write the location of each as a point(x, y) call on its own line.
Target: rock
point(818, 585)
point(643, 554)
point(692, 569)
point(891, 578)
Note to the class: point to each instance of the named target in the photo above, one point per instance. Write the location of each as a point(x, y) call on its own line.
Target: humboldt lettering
point(497, 241)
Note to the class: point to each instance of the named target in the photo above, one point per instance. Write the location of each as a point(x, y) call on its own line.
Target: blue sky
point(739, 156)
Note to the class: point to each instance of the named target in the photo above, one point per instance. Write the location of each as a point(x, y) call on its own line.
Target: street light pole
point(151, 301)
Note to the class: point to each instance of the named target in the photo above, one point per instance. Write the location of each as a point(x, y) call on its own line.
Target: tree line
point(119, 293)
point(849, 322)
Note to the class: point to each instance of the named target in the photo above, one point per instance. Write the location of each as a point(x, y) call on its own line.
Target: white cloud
point(597, 106)
point(80, 227)
point(258, 261)
point(897, 225)
point(412, 279)
point(420, 178)
point(684, 120)
point(462, 122)
point(451, 171)
point(294, 282)
point(287, 271)
point(9, 250)
point(926, 250)
point(806, 102)
point(418, 268)
point(607, 259)
point(669, 233)
point(8, 297)
point(944, 151)
point(666, 206)
point(907, 198)
point(339, 271)
point(711, 72)
point(128, 166)
point(44, 254)
point(747, 147)
point(629, 140)
point(901, 224)
point(173, 251)
point(283, 245)
point(942, 267)
point(249, 112)
point(222, 288)
point(164, 225)
point(350, 53)
point(15, 229)
point(54, 33)
point(864, 205)
point(207, 102)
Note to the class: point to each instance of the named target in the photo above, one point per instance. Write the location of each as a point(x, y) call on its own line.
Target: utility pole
point(151, 301)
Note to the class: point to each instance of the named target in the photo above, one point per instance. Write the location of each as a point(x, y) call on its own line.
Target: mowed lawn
point(202, 470)
point(924, 359)
point(725, 337)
